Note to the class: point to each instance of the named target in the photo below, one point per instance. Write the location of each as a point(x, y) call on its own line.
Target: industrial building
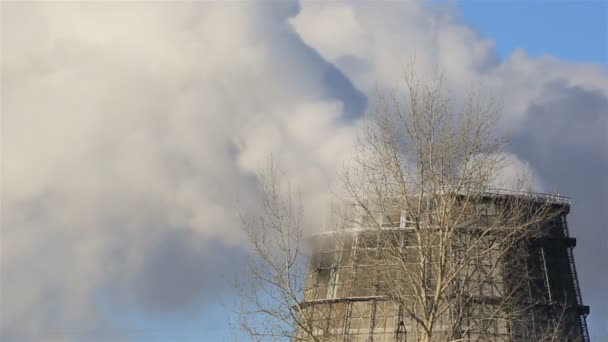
point(349, 298)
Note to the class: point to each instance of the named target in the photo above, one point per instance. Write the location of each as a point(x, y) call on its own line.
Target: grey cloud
point(565, 138)
point(341, 88)
point(181, 270)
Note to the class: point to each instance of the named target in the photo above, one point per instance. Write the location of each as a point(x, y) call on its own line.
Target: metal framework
point(345, 294)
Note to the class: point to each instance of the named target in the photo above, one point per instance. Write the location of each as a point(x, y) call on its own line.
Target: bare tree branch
point(423, 247)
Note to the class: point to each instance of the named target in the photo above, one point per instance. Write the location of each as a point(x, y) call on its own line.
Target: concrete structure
point(347, 298)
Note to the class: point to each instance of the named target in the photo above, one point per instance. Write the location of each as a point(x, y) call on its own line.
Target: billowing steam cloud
point(131, 131)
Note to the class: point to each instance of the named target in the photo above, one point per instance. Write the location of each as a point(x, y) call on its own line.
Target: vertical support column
point(575, 283)
point(373, 309)
point(400, 331)
point(349, 307)
point(372, 319)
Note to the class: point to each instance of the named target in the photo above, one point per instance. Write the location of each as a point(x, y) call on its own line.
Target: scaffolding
point(346, 295)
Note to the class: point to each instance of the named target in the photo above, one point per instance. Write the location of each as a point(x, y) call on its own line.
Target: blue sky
point(575, 31)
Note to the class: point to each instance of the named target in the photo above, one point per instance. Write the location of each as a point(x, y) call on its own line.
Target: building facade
point(528, 292)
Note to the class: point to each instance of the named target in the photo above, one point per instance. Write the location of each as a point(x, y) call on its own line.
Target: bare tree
point(447, 247)
point(424, 247)
point(271, 298)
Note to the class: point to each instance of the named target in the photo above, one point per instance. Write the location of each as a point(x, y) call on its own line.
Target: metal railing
point(539, 196)
point(355, 225)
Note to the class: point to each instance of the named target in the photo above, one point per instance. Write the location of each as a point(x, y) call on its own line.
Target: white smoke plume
point(131, 132)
